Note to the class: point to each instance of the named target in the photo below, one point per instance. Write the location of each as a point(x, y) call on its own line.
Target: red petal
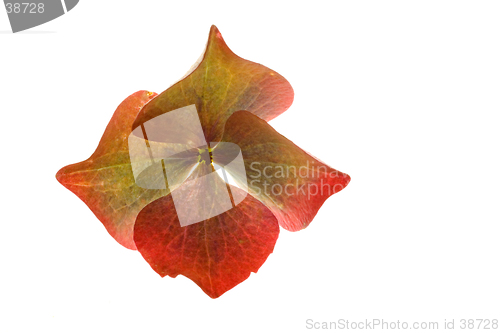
point(218, 253)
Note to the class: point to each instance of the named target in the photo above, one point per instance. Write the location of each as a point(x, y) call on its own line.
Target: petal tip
point(60, 175)
point(215, 37)
point(214, 31)
point(347, 179)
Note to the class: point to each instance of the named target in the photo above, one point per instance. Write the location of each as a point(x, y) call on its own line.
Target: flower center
point(205, 156)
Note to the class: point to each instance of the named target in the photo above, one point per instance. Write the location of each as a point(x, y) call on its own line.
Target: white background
point(403, 96)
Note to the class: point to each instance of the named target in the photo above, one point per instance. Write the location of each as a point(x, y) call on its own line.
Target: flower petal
point(289, 181)
point(218, 253)
point(221, 84)
point(105, 181)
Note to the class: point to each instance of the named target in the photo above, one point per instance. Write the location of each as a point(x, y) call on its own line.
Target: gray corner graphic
point(25, 15)
point(70, 4)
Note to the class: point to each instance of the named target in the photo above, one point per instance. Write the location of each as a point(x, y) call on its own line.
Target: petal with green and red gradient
point(290, 182)
point(105, 181)
point(220, 84)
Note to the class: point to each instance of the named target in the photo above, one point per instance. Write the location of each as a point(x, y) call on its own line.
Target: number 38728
point(25, 8)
